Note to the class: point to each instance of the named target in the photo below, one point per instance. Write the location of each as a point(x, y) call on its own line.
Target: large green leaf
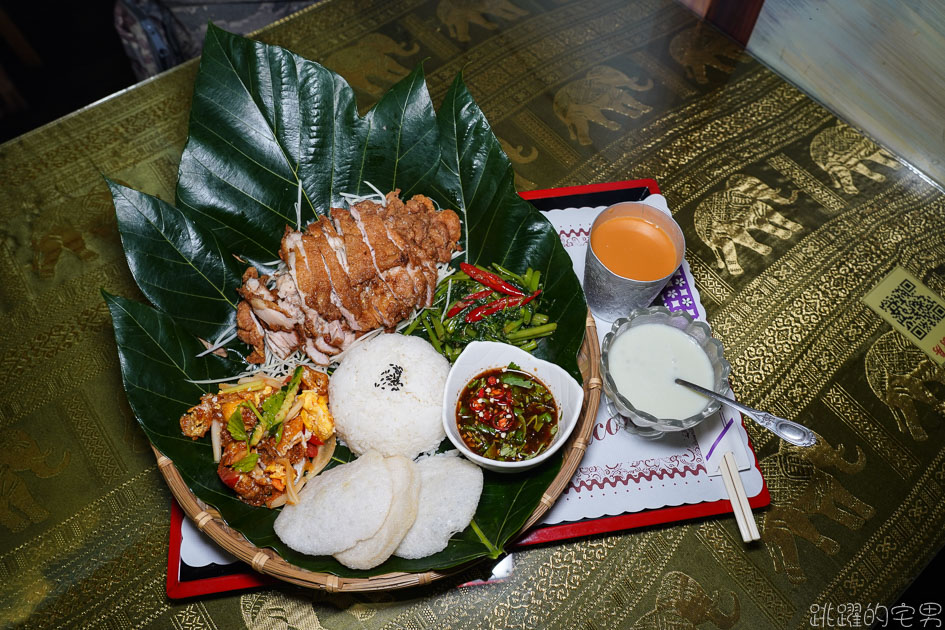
point(159, 363)
point(178, 265)
point(264, 123)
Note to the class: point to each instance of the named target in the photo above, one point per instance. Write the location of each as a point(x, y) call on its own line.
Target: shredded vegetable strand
point(216, 443)
point(289, 480)
point(353, 199)
point(298, 209)
point(295, 409)
point(446, 305)
point(225, 337)
point(379, 193)
point(368, 335)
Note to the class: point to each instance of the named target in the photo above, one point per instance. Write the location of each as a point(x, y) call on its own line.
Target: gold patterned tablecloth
point(791, 218)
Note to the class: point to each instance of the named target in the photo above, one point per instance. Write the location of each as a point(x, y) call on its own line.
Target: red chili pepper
point(455, 310)
point(467, 301)
point(530, 298)
point(492, 307)
point(490, 280)
point(502, 423)
point(502, 303)
point(478, 295)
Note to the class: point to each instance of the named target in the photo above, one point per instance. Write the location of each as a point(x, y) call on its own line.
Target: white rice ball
point(387, 396)
point(450, 487)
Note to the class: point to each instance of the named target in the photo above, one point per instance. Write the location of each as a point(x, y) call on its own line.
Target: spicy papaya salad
point(478, 304)
point(268, 436)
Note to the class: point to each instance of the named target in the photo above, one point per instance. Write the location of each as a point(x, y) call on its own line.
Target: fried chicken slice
point(301, 253)
point(354, 271)
point(251, 332)
point(374, 231)
point(343, 296)
point(360, 263)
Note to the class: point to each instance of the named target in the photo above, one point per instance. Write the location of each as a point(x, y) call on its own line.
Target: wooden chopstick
point(739, 498)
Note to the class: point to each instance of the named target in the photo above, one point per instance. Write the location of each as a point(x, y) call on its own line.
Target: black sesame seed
point(390, 378)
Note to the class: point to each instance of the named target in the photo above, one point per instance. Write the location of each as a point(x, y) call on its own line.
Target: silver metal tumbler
point(611, 296)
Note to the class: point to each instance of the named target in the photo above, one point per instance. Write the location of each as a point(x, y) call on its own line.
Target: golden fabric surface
point(790, 218)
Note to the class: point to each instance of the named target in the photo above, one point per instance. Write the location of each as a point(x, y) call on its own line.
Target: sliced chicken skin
point(301, 253)
point(360, 264)
point(343, 295)
point(355, 271)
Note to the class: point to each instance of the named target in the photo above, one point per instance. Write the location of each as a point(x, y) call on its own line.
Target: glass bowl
point(640, 422)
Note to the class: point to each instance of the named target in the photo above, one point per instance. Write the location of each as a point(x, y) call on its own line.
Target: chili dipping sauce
point(506, 415)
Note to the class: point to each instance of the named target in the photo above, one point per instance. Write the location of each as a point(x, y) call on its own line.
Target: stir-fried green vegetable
point(274, 410)
point(476, 304)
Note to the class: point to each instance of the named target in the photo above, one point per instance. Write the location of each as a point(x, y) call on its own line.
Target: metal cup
point(611, 296)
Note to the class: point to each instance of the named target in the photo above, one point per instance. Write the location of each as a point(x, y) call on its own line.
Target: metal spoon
point(787, 430)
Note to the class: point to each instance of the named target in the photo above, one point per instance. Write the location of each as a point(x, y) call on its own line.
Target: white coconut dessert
point(358, 494)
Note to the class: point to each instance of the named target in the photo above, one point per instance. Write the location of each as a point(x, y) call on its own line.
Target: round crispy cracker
point(369, 553)
point(450, 487)
point(338, 508)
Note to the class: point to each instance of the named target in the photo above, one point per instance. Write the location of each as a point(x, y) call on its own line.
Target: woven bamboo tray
point(268, 562)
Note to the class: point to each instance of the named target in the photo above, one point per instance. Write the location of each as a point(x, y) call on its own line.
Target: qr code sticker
point(919, 314)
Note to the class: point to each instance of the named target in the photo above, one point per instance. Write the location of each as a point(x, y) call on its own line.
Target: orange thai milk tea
point(634, 248)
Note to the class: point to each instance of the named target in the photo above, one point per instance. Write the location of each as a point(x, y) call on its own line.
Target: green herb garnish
point(247, 463)
point(235, 425)
point(515, 379)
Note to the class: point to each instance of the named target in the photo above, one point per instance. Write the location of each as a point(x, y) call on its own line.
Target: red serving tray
point(239, 576)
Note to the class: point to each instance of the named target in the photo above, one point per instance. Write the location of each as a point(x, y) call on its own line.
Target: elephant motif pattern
point(697, 49)
point(682, 603)
point(278, 611)
point(457, 15)
point(272, 610)
point(841, 151)
point(899, 375)
point(800, 488)
point(584, 101)
point(368, 65)
point(724, 218)
point(61, 227)
point(21, 453)
point(518, 155)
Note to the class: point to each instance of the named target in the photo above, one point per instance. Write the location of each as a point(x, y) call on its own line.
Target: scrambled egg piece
point(315, 414)
point(276, 473)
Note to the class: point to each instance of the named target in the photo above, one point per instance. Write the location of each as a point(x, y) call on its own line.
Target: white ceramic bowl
point(480, 356)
